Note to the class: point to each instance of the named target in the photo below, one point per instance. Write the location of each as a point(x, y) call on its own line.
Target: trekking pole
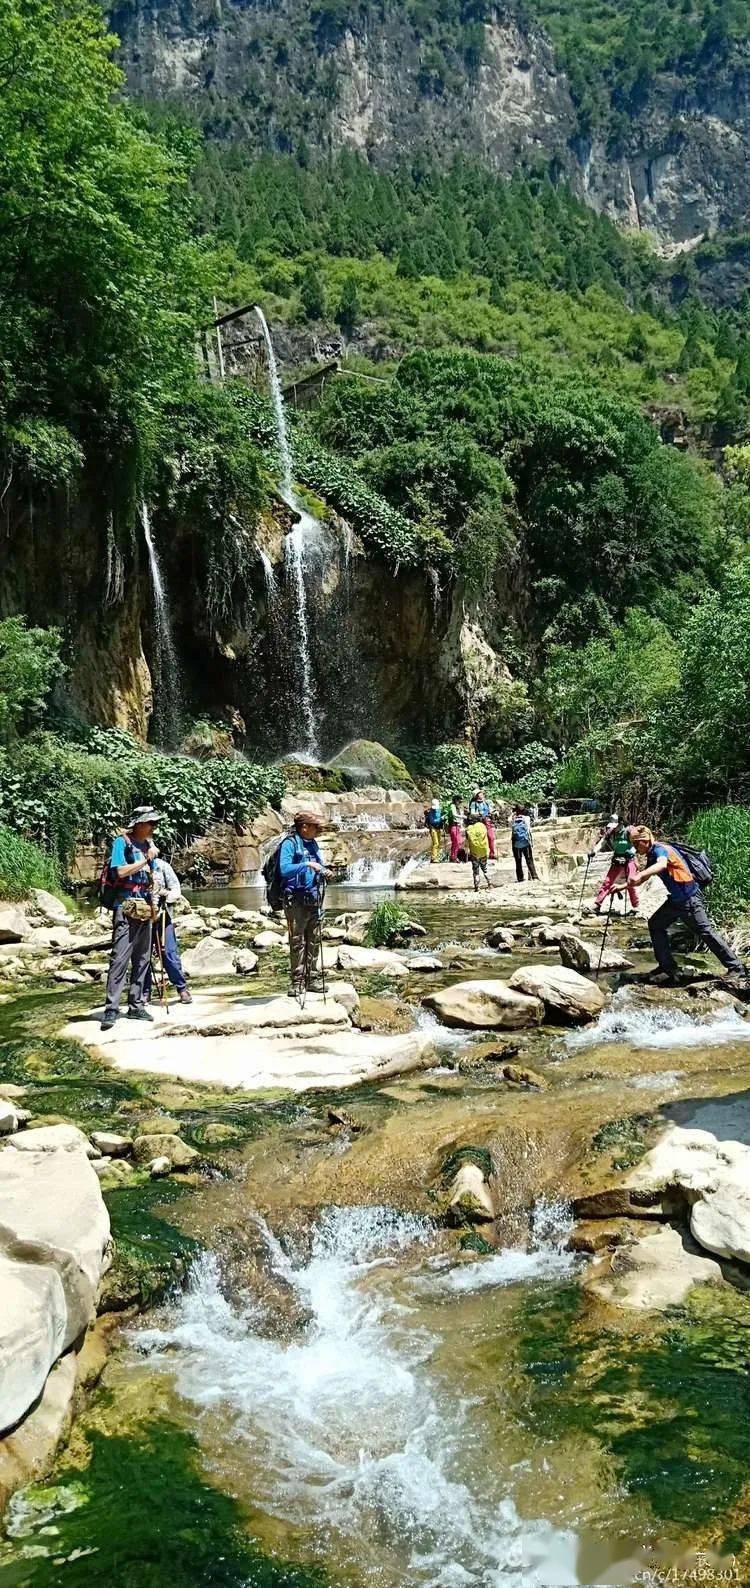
point(604, 934)
point(163, 1000)
point(585, 880)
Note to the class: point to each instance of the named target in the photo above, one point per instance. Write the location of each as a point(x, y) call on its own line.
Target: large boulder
point(54, 1247)
point(485, 1005)
point(351, 958)
point(14, 925)
point(47, 905)
point(33, 1326)
point(470, 1199)
point(500, 937)
point(180, 1155)
point(714, 1179)
point(653, 1271)
point(373, 763)
point(568, 998)
point(578, 955)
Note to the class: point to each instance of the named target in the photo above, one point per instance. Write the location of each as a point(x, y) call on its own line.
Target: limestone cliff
point(273, 75)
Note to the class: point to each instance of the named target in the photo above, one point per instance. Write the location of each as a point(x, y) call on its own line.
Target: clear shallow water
point(347, 1432)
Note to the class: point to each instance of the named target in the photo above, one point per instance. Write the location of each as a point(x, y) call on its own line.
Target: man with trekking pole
point(681, 870)
point(302, 878)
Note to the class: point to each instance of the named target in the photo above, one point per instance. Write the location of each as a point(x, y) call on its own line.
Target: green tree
point(29, 663)
point(348, 310)
point(312, 294)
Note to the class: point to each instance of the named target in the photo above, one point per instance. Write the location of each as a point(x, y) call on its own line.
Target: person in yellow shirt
point(478, 845)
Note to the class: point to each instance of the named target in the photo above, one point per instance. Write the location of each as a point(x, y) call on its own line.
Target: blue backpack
point(520, 832)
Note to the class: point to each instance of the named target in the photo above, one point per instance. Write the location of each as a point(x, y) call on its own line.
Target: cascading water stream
point(168, 693)
point(305, 533)
point(342, 1428)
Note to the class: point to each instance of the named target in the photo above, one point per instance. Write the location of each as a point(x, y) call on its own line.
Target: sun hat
point(144, 813)
point(310, 817)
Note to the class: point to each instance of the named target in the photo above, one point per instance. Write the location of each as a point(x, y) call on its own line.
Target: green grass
point(724, 832)
point(24, 866)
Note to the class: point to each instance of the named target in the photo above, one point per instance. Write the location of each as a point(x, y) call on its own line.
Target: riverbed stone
point(8, 1117)
point(27, 1452)
point(500, 937)
point(160, 1167)
point(15, 926)
point(179, 1153)
point(269, 939)
point(52, 1139)
point(470, 1199)
point(211, 957)
point(579, 955)
point(713, 1177)
point(46, 904)
point(568, 997)
point(424, 962)
point(654, 1271)
point(33, 1325)
point(485, 1005)
point(245, 962)
point(352, 958)
point(110, 1144)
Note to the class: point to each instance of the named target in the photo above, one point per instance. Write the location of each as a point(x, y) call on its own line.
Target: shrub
point(386, 923)
point(24, 866)
point(724, 832)
point(29, 662)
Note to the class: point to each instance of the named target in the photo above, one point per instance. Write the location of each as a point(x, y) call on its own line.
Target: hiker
point(685, 903)
point(129, 874)
point(434, 823)
point(454, 827)
point(521, 845)
point(478, 806)
point(302, 874)
point(478, 846)
point(164, 943)
point(622, 867)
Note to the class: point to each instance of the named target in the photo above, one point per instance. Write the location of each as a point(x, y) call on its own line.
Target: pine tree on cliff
point(312, 295)
point(348, 312)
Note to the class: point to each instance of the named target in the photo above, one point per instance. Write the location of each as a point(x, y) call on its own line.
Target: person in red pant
point(454, 826)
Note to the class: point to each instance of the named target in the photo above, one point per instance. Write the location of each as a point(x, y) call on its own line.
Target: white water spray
point(282, 439)
point(272, 589)
point(168, 693)
point(344, 1430)
point(646, 1026)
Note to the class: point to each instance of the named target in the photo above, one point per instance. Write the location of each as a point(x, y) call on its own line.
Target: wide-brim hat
point(144, 813)
point(310, 817)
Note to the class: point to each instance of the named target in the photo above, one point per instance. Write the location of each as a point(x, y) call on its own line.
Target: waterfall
point(305, 534)
point(282, 439)
point(272, 588)
point(168, 692)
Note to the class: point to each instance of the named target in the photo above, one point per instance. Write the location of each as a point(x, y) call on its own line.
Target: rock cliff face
point(274, 74)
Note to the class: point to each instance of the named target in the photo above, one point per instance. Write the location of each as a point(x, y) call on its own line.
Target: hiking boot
point(663, 978)
point(316, 985)
point(185, 996)
point(295, 990)
point(140, 1012)
point(108, 1022)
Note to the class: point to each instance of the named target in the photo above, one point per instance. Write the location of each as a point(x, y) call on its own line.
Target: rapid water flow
point(168, 691)
point(272, 589)
point(302, 538)
point(342, 1429)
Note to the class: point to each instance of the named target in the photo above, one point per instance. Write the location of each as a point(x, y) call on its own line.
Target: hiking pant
point(490, 836)
point(518, 856)
point(693, 911)
point(455, 836)
point(170, 953)
point(618, 871)
point(302, 920)
point(434, 845)
point(131, 949)
point(476, 867)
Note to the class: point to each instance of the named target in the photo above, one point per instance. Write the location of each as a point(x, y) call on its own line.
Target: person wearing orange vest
point(684, 902)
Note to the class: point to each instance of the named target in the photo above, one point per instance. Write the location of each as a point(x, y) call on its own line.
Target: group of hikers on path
point(139, 887)
point(472, 835)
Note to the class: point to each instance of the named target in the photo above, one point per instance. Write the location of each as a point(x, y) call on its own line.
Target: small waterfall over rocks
point(168, 694)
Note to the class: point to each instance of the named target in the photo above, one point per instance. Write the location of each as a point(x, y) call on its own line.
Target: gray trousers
point(693, 911)
point(476, 867)
point(302, 921)
point(131, 949)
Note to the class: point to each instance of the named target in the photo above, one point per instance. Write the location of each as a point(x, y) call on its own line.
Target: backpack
point(520, 832)
point(622, 849)
point(107, 888)
point(434, 818)
point(698, 863)
point(271, 873)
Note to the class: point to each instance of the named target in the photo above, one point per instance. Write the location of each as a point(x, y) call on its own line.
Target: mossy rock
point(376, 764)
point(455, 1161)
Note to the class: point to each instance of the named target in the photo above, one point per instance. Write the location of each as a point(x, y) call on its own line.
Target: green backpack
point(622, 849)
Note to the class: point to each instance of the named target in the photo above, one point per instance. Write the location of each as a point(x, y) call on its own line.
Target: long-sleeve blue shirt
point(294, 864)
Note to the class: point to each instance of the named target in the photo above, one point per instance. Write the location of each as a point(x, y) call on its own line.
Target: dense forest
point(527, 354)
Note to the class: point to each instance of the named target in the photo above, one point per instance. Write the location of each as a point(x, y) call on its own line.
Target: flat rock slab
point(212, 1016)
point(485, 1005)
point(294, 1063)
